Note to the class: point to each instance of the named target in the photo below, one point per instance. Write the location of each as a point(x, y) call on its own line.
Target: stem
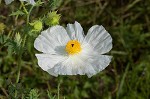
point(122, 81)
point(19, 68)
point(19, 59)
point(18, 74)
point(28, 15)
point(17, 15)
point(24, 8)
point(58, 90)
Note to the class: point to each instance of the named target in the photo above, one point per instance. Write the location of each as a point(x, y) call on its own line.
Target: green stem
point(122, 82)
point(19, 68)
point(58, 90)
point(28, 15)
point(24, 8)
point(16, 18)
point(19, 58)
point(18, 73)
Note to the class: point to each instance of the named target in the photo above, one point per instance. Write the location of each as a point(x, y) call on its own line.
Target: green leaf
point(34, 94)
point(54, 4)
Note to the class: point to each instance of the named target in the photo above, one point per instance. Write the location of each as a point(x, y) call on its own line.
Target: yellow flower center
point(73, 47)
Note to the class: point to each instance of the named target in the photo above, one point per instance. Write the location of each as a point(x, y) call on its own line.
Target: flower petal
point(50, 39)
point(47, 61)
point(99, 62)
point(8, 1)
point(76, 64)
point(73, 66)
point(75, 31)
point(99, 39)
point(87, 62)
point(92, 66)
point(32, 2)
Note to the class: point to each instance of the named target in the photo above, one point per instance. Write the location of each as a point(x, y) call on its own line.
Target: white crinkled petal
point(73, 67)
point(89, 67)
point(51, 40)
point(99, 39)
point(99, 62)
point(29, 1)
point(75, 31)
point(8, 1)
point(87, 63)
point(47, 61)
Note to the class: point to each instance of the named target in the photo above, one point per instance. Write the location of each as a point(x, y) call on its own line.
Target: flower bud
point(18, 38)
point(37, 25)
point(52, 18)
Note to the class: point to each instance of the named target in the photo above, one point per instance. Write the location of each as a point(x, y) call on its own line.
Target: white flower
point(29, 1)
point(8, 1)
point(69, 52)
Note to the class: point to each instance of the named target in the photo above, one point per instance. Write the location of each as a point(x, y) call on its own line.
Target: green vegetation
point(128, 75)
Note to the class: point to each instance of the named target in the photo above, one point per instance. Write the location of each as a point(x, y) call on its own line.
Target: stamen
point(73, 47)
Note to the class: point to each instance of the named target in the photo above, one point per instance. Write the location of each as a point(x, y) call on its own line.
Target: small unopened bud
point(52, 18)
point(37, 25)
point(18, 38)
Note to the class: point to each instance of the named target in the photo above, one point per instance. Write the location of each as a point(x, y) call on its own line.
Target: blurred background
point(127, 76)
